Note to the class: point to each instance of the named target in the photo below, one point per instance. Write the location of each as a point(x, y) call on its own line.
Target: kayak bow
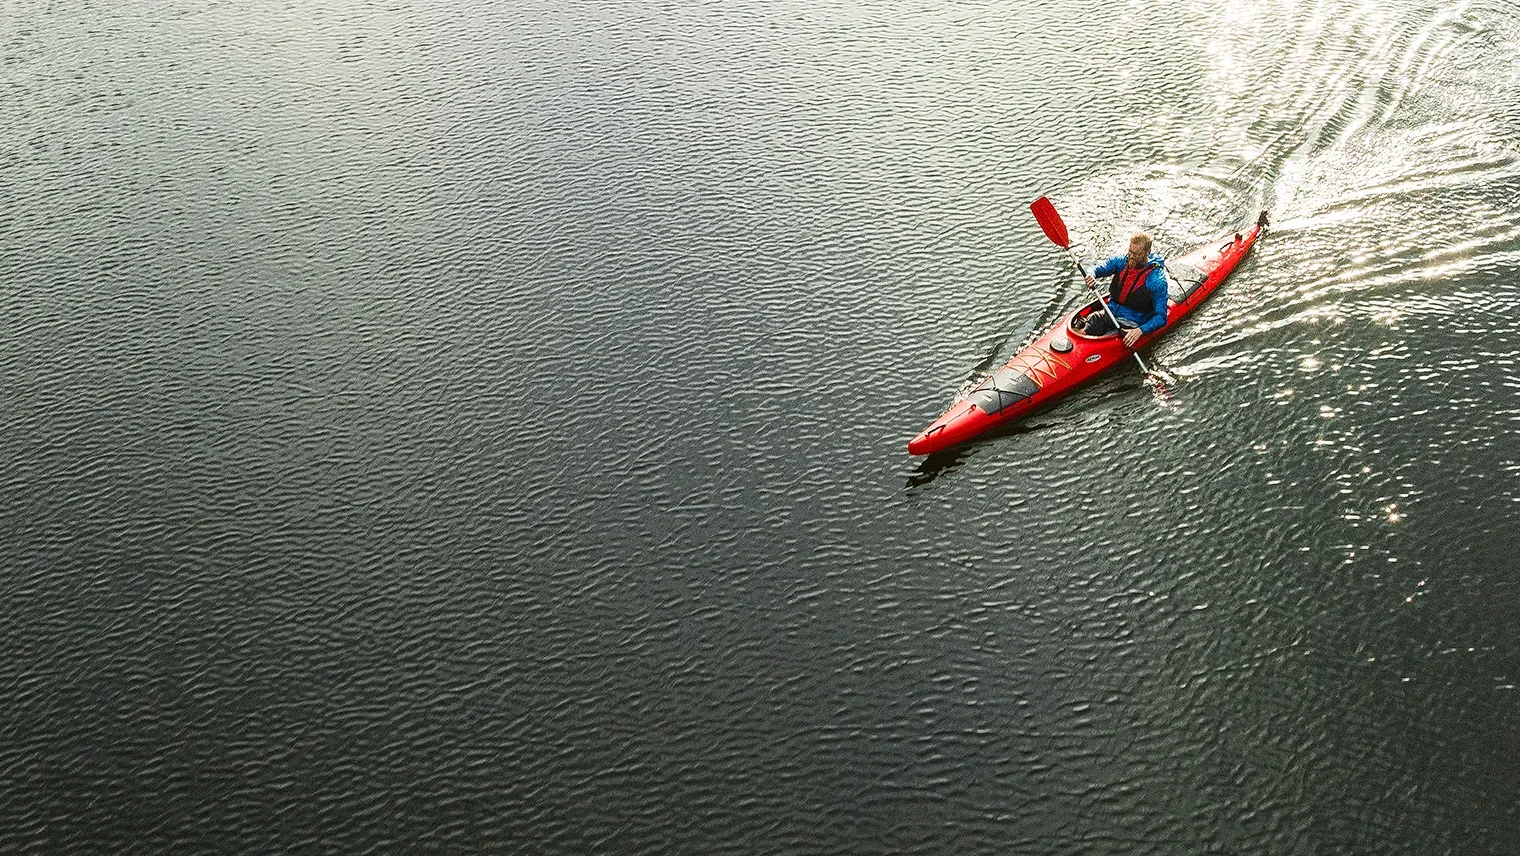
point(1064, 358)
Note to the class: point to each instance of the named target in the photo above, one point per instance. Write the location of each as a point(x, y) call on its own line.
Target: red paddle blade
point(1050, 221)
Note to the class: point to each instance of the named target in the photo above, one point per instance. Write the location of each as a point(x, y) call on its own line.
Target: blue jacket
point(1155, 283)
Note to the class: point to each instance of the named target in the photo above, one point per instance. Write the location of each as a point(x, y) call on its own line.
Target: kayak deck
point(1064, 358)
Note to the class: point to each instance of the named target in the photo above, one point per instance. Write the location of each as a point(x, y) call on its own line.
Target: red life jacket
point(1128, 288)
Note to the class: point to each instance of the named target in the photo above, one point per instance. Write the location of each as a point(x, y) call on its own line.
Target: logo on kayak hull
point(1094, 358)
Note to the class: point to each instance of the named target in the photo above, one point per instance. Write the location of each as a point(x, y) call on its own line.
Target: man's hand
point(1131, 336)
point(1091, 283)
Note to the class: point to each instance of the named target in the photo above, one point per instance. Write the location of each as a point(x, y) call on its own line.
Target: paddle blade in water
point(1161, 385)
point(1050, 221)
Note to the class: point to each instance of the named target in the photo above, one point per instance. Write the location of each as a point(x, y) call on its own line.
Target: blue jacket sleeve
point(1110, 267)
point(1156, 284)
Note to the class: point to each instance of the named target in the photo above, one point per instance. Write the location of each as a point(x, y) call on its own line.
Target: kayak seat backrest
point(1182, 281)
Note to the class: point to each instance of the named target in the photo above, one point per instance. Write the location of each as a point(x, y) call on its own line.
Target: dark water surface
point(456, 426)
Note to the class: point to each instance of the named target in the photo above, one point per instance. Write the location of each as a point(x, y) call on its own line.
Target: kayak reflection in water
point(1137, 294)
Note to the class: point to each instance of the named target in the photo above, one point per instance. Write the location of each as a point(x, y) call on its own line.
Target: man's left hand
point(1131, 336)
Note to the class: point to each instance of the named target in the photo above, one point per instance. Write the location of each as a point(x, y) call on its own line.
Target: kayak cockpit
point(1075, 325)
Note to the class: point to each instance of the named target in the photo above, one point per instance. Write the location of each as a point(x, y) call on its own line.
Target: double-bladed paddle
point(1055, 230)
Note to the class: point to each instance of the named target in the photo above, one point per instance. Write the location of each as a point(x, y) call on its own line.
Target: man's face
point(1137, 252)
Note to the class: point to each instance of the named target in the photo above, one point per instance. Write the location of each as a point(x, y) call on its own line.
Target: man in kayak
point(1137, 294)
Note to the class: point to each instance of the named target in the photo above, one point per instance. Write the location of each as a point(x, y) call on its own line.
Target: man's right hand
point(1091, 283)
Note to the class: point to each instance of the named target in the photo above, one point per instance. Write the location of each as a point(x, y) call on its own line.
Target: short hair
point(1143, 238)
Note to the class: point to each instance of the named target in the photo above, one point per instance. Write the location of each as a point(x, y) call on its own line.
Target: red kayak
point(1064, 358)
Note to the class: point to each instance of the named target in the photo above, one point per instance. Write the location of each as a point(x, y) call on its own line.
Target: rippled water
point(480, 427)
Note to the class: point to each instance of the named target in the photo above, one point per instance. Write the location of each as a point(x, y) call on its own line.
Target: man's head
point(1139, 249)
